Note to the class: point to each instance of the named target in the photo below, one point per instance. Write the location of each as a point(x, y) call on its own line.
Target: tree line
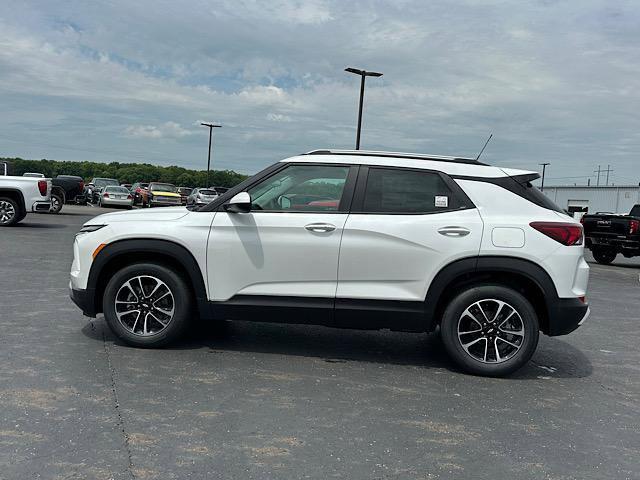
point(126, 172)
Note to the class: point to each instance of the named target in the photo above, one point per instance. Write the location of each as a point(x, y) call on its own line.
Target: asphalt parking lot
point(251, 400)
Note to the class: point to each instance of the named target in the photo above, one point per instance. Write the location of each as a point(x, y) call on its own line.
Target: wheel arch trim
point(457, 270)
point(18, 193)
point(175, 251)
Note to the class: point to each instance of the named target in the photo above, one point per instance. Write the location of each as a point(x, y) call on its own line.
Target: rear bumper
point(116, 202)
point(84, 299)
point(613, 242)
point(566, 315)
point(41, 206)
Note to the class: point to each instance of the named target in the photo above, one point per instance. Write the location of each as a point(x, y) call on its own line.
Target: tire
point(604, 256)
point(10, 212)
point(513, 349)
point(131, 327)
point(56, 203)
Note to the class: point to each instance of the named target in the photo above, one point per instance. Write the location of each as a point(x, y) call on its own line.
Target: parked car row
point(110, 192)
point(153, 194)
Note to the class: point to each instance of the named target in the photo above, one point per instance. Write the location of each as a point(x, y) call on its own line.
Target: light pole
point(211, 127)
point(363, 74)
point(544, 167)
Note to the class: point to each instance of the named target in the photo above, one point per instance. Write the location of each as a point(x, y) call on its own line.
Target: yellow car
point(162, 195)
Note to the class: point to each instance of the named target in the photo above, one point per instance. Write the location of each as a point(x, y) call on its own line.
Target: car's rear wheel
point(490, 330)
point(604, 255)
point(57, 201)
point(10, 213)
point(147, 305)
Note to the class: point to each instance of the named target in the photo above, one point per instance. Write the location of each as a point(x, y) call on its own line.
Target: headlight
point(89, 228)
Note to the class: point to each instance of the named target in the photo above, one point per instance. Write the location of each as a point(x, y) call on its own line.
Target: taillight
point(129, 197)
point(565, 233)
point(634, 227)
point(42, 186)
point(81, 185)
point(105, 195)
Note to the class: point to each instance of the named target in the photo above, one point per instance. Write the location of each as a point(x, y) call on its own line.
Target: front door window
point(301, 188)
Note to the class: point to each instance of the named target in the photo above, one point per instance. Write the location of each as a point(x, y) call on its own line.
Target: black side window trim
point(462, 200)
point(345, 201)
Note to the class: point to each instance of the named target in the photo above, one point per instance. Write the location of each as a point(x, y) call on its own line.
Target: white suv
point(349, 239)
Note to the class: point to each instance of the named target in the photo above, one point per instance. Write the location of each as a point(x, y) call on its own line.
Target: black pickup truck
point(66, 189)
point(607, 235)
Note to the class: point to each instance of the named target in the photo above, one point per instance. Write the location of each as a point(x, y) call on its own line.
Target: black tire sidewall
point(182, 297)
point(604, 256)
point(17, 212)
point(449, 329)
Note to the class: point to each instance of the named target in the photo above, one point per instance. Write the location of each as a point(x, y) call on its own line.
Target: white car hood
point(141, 215)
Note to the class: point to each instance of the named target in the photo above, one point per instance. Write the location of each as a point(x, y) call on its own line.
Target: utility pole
point(544, 167)
point(211, 127)
point(608, 170)
point(598, 172)
point(363, 74)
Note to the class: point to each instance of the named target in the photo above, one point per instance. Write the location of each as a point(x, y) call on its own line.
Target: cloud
point(278, 117)
point(166, 130)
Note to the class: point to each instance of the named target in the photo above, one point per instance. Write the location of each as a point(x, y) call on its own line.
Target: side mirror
point(239, 203)
point(284, 202)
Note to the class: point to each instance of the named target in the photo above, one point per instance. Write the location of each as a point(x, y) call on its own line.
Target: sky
point(554, 81)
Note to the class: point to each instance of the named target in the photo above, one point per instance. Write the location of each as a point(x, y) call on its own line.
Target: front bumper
point(83, 299)
point(566, 315)
point(165, 203)
point(41, 206)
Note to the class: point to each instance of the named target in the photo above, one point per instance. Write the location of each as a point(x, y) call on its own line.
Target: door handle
point(320, 227)
point(454, 231)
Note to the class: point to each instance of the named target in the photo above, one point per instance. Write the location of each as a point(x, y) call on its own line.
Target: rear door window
point(391, 190)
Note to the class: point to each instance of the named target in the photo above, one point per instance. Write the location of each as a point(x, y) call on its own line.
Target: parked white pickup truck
point(20, 195)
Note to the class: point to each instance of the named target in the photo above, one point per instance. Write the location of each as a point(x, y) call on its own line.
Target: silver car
point(201, 196)
point(114, 196)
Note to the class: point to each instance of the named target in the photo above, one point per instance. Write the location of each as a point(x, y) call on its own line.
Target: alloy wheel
point(7, 212)
point(144, 305)
point(55, 204)
point(491, 331)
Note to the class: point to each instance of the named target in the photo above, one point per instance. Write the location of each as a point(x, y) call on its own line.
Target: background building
point(614, 199)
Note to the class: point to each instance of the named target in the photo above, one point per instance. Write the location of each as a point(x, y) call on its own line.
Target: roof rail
point(415, 156)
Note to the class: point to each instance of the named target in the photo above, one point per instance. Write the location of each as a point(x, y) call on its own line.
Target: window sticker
point(442, 201)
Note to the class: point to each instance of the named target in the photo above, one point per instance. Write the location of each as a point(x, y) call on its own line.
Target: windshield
point(111, 189)
point(163, 187)
point(103, 182)
point(206, 192)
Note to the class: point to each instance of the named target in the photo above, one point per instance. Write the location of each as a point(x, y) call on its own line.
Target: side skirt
point(338, 313)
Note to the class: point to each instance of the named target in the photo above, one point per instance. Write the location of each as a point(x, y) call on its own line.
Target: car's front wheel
point(490, 330)
point(147, 305)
